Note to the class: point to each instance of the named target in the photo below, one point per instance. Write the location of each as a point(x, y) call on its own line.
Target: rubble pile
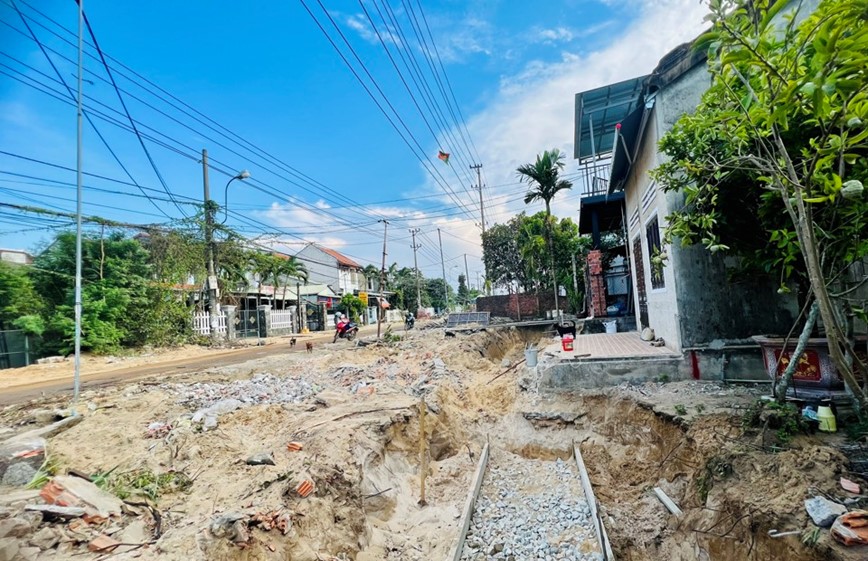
point(261, 388)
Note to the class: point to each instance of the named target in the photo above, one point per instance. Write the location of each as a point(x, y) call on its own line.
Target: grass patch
point(143, 482)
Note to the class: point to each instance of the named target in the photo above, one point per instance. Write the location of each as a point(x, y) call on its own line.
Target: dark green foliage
point(18, 298)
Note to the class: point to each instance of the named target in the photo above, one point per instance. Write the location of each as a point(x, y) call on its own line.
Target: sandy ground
point(355, 410)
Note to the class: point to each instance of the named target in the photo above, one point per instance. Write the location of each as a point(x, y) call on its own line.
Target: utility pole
point(382, 279)
point(575, 277)
point(413, 232)
point(443, 265)
point(213, 304)
point(76, 378)
point(466, 280)
point(478, 168)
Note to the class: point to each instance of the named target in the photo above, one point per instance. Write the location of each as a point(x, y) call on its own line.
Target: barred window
point(652, 236)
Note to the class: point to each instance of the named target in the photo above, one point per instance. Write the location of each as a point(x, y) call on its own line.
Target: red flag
point(443, 156)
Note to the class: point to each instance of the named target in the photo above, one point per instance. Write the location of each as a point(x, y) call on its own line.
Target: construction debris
point(851, 528)
point(261, 459)
point(823, 511)
point(70, 491)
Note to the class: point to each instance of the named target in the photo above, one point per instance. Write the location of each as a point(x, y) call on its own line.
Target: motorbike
point(347, 331)
point(409, 321)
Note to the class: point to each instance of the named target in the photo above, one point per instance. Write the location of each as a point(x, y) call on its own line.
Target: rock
point(50, 360)
point(21, 449)
point(647, 334)
point(27, 554)
point(43, 416)
point(231, 526)
point(54, 511)
point(45, 538)
point(18, 475)
point(14, 528)
point(8, 549)
point(823, 511)
point(261, 459)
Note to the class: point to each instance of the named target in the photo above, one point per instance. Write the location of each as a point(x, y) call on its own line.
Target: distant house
point(16, 257)
point(327, 266)
point(688, 299)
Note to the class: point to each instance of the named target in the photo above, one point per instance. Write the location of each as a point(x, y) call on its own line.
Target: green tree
point(434, 290)
point(352, 306)
point(504, 263)
point(782, 126)
point(277, 269)
point(122, 303)
point(20, 304)
point(463, 293)
point(543, 177)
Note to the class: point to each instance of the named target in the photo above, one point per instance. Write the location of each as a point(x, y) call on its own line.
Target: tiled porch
point(604, 346)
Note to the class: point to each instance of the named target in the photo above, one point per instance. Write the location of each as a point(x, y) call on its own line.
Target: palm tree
point(276, 268)
point(543, 177)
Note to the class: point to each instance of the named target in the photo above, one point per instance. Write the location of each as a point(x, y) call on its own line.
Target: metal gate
point(314, 317)
point(250, 323)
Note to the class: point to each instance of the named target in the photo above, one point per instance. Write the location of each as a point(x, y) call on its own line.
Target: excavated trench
point(628, 448)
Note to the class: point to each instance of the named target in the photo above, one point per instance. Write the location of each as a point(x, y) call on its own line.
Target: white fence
point(202, 323)
point(282, 319)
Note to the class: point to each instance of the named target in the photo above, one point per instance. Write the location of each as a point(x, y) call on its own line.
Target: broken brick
point(304, 488)
point(102, 544)
point(294, 446)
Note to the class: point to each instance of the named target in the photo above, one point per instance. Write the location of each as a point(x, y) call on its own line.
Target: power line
point(72, 96)
point(434, 174)
point(130, 117)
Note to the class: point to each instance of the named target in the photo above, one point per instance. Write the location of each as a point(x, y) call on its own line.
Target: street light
point(243, 174)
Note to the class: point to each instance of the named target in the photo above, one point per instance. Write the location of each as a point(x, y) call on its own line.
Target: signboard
point(807, 369)
point(363, 296)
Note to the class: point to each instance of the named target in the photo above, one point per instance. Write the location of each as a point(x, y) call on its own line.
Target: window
point(655, 249)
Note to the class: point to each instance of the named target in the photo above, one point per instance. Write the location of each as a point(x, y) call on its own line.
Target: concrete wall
point(699, 303)
point(321, 267)
point(645, 202)
point(709, 304)
point(577, 375)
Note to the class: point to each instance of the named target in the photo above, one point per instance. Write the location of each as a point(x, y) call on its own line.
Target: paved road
point(18, 394)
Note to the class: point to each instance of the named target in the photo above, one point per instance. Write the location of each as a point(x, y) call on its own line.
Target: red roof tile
point(342, 259)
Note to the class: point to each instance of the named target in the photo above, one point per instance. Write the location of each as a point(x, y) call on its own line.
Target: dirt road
point(22, 392)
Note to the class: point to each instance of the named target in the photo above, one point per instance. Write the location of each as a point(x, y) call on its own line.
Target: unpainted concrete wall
point(578, 375)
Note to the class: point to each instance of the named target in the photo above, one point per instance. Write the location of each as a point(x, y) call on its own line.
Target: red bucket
point(567, 342)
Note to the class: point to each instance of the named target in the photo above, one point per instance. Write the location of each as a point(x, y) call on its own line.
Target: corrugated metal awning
point(599, 110)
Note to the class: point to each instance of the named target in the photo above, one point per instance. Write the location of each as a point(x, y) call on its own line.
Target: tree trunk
point(786, 379)
point(548, 231)
point(834, 334)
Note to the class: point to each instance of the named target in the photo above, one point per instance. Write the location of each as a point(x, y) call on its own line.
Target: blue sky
point(265, 72)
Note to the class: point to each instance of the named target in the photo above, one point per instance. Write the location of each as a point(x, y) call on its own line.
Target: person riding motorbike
point(409, 321)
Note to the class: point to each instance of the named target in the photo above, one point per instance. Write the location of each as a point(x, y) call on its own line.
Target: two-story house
point(327, 266)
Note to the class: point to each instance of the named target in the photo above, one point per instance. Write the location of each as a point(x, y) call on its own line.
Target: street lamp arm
point(243, 174)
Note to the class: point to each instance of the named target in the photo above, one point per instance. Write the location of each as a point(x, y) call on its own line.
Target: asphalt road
point(56, 388)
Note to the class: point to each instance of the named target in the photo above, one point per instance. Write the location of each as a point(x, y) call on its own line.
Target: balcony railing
point(594, 179)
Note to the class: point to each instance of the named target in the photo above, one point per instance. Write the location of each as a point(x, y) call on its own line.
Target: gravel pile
point(531, 510)
point(261, 388)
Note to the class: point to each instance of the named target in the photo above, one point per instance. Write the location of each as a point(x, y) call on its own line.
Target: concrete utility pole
point(213, 304)
point(443, 265)
point(413, 232)
point(478, 168)
point(380, 311)
point(575, 277)
point(76, 377)
point(466, 279)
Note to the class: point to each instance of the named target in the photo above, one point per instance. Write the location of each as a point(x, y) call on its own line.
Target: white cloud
point(360, 24)
point(532, 110)
point(555, 35)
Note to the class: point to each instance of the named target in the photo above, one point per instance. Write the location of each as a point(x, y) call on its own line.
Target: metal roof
point(599, 110)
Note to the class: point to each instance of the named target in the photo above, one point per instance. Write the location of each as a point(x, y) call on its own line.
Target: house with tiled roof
point(327, 266)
